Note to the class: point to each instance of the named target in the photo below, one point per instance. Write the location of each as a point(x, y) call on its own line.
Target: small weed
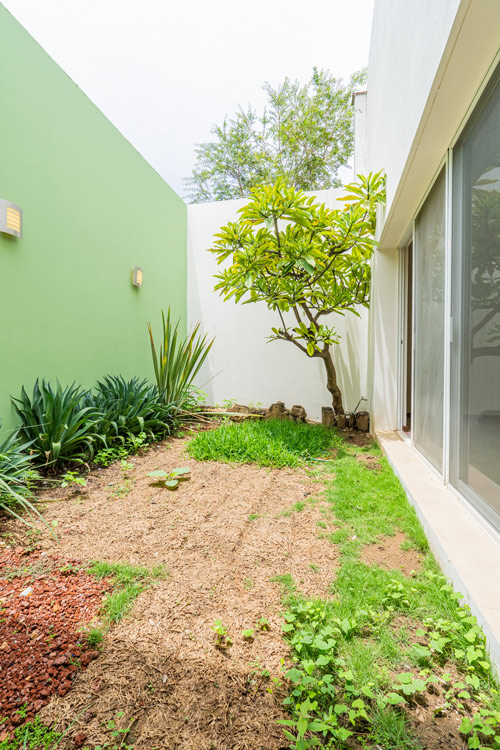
point(169, 479)
point(248, 635)
point(287, 583)
point(264, 624)
point(72, 478)
point(296, 508)
point(133, 444)
point(118, 734)
point(253, 516)
point(222, 640)
point(125, 468)
point(95, 637)
point(248, 583)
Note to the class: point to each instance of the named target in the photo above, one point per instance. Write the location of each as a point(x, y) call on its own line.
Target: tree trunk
point(331, 381)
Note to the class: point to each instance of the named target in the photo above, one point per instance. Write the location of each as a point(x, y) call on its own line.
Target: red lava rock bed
point(44, 602)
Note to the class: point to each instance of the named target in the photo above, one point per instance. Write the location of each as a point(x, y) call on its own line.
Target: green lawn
point(383, 643)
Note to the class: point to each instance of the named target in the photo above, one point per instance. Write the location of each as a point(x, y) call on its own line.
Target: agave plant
point(16, 473)
point(128, 408)
point(178, 361)
point(59, 426)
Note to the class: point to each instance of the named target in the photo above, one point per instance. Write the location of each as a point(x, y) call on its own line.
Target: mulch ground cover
point(44, 601)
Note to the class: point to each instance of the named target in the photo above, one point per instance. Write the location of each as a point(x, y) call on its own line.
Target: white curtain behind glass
point(429, 281)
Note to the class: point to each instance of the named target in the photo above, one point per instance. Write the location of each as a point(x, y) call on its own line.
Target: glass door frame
point(445, 164)
point(458, 177)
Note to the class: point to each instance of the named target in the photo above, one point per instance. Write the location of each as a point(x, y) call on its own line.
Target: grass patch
point(128, 582)
point(268, 443)
point(32, 736)
point(288, 585)
point(363, 658)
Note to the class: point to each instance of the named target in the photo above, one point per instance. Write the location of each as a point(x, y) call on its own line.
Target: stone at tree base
point(278, 411)
point(298, 413)
point(327, 416)
point(239, 409)
point(341, 421)
point(363, 421)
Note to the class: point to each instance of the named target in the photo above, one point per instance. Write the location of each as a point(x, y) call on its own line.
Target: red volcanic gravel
point(41, 648)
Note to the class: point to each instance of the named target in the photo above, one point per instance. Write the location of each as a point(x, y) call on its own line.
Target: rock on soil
point(43, 602)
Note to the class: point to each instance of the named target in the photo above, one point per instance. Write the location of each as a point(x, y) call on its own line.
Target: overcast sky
point(164, 72)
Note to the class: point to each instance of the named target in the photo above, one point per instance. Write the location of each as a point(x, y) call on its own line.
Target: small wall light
point(137, 276)
point(11, 218)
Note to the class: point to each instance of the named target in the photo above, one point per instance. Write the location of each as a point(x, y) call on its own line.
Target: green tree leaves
point(304, 135)
point(303, 260)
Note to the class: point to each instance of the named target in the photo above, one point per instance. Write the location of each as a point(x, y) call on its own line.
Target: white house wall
point(407, 44)
point(242, 364)
point(428, 61)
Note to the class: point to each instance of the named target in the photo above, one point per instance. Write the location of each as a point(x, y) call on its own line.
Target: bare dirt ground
point(389, 554)
point(222, 537)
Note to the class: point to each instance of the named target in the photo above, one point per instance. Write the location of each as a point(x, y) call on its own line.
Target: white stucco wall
point(428, 61)
point(360, 102)
point(407, 43)
point(242, 364)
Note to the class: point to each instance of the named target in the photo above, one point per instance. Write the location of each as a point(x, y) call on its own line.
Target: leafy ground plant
point(268, 443)
point(71, 478)
point(169, 479)
point(384, 643)
point(117, 451)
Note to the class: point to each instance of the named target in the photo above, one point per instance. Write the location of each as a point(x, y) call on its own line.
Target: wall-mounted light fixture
point(11, 218)
point(137, 276)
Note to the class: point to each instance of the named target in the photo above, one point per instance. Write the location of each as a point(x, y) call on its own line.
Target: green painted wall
point(93, 208)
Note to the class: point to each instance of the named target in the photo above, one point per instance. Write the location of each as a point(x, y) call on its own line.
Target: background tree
point(304, 260)
point(304, 135)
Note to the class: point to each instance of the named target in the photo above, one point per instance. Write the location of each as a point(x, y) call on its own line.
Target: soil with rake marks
point(43, 602)
point(223, 536)
point(232, 539)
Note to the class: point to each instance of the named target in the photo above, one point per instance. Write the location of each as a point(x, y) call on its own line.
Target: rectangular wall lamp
point(137, 276)
point(11, 218)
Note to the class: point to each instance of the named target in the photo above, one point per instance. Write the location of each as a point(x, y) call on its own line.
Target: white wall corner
point(360, 102)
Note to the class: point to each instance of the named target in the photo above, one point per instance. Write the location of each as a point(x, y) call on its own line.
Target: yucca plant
point(16, 473)
point(58, 424)
point(128, 408)
point(178, 361)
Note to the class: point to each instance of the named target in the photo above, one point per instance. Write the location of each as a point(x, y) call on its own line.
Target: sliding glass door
point(429, 307)
point(475, 399)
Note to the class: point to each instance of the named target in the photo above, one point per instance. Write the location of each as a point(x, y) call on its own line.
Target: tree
point(304, 135)
point(304, 260)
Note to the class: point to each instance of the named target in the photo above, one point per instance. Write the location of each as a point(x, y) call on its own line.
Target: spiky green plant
point(128, 408)
point(178, 361)
point(58, 425)
point(16, 474)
